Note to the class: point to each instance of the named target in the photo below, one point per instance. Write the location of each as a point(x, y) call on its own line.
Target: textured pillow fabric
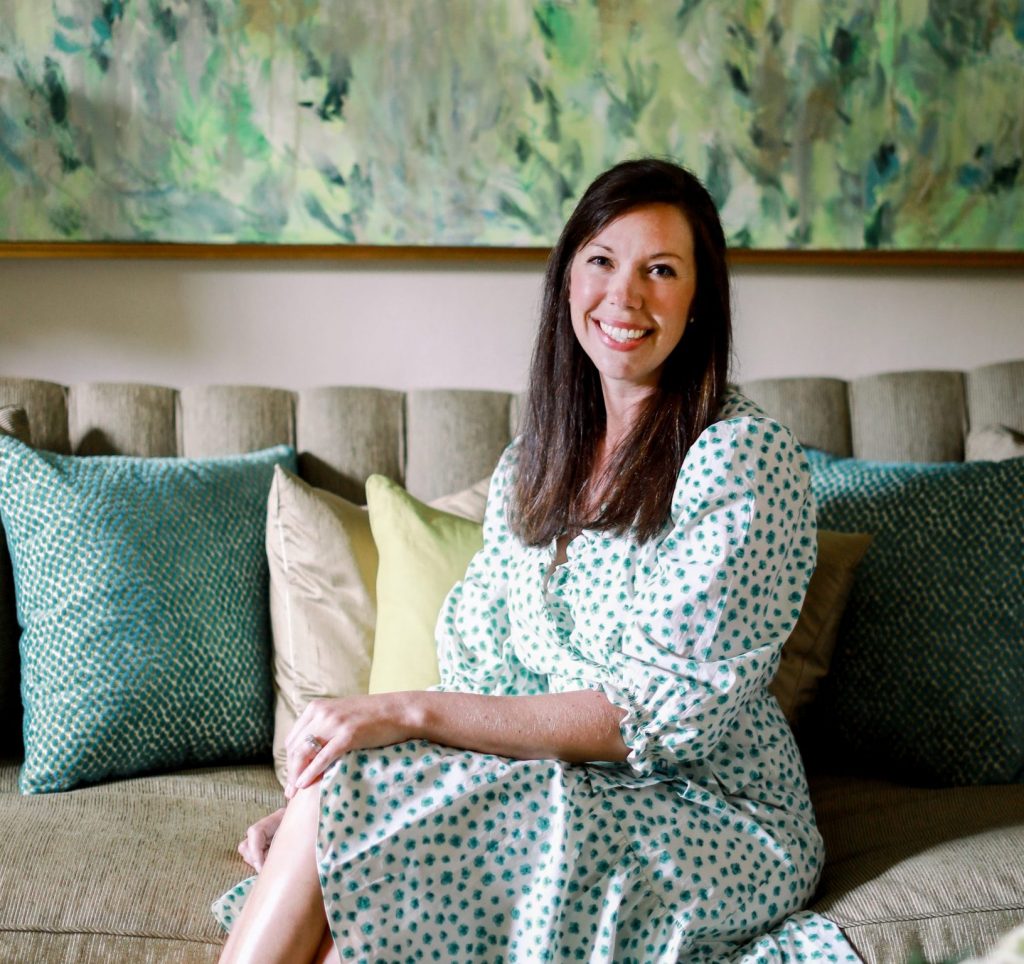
point(423, 552)
point(928, 676)
point(994, 443)
point(141, 588)
point(13, 422)
point(807, 654)
point(323, 571)
point(323, 607)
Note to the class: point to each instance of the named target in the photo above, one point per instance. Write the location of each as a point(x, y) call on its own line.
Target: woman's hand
point(258, 839)
point(328, 728)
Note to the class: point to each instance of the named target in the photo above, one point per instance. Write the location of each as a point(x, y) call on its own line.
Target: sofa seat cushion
point(910, 868)
point(125, 870)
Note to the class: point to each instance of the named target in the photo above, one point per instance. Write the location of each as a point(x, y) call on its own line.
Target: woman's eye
point(663, 271)
point(599, 259)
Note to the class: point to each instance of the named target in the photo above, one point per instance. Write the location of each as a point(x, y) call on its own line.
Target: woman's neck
point(623, 403)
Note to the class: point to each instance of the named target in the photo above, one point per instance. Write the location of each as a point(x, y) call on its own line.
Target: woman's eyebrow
point(650, 257)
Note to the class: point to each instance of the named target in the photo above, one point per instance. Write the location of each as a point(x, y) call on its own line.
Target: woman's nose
point(624, 290)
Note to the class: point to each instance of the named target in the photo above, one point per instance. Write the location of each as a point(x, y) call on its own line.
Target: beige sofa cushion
point(103, 867)
point(911, 868)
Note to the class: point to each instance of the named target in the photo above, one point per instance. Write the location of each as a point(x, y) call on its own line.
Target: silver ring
point(315, 743)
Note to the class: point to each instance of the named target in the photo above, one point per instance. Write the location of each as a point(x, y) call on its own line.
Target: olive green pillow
point(807, 654)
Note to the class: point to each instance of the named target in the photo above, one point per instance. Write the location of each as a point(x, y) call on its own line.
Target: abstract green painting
point(817, 124)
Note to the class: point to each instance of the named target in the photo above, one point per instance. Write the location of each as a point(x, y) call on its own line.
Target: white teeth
point(622, 334)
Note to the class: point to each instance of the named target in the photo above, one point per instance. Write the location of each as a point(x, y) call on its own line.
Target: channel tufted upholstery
point(125, 870)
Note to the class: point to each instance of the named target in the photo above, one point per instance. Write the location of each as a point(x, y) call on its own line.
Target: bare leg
point(328, 953)
point(283, 918)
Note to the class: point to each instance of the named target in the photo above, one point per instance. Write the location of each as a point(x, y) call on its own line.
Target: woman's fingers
point(299, 758)
point(315, 767)
point(298, 732)
point(258, 844)
point(258, 837)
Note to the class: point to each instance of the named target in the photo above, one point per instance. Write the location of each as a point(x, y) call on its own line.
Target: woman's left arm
point(577, 727)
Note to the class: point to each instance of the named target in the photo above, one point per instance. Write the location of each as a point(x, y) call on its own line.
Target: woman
point(602, 774)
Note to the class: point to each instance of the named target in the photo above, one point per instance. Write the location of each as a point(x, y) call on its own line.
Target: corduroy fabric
point(28, 946)
point(14, 422)
point(453, 438)
point(216, 420)
point(116, 419)
point(908, 417)
point(995, 395)
point(910, 868)
point(45, 404)
point(516, 411)
point(816, 410)
point(132, 858)
point(344, 435)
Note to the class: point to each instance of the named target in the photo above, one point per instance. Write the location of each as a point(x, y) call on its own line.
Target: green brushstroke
point(849, 124)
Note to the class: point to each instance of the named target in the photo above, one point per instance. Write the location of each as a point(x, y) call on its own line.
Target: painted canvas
point(816, 124)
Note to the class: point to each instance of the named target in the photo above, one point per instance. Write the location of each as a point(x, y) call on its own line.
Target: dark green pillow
point(141, 588)
point(927, 683)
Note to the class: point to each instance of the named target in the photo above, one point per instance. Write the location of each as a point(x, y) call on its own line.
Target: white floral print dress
point(702, 845)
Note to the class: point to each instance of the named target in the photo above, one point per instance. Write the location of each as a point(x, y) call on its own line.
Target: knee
point(306, 798)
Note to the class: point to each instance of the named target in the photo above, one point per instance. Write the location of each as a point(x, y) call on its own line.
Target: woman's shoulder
point(736, 405)
point(740, 416)
point(740, 443)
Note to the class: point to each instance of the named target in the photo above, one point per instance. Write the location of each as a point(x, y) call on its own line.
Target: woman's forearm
point(578, 727)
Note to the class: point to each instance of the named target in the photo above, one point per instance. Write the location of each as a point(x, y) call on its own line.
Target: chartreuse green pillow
point(422, 553)
point(141, 590)
point(927, 681)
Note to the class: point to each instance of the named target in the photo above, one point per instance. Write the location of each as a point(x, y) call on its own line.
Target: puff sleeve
point(473, 628)
point(718, 595)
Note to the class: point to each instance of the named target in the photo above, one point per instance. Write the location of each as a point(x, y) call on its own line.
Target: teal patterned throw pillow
point(927, 682)
point(141, 590)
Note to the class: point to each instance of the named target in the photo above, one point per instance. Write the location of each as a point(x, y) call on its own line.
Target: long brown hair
point(564, 417)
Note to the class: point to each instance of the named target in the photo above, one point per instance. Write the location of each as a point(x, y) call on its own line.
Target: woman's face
point(630, 291)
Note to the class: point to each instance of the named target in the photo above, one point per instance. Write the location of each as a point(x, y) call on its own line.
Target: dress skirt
point(427, 853)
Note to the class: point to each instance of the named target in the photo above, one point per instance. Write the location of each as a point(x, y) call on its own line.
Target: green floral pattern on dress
point(702, 845)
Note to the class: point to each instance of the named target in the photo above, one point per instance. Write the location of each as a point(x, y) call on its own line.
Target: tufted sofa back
point(438, 441)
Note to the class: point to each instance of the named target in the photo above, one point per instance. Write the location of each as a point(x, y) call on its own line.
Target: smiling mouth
point(623, 335)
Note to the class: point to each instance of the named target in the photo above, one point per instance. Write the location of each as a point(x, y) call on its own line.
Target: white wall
point(408, 325)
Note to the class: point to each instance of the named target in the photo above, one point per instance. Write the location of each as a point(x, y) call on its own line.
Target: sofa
point(125, 870)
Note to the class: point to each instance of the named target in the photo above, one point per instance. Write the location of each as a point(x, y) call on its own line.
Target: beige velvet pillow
point(323, 607)
point(323, 569)
point(994, 443)
point(808, 651)
point(469, 503)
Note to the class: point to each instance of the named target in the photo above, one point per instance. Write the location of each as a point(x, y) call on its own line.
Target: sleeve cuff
point(633, 730)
